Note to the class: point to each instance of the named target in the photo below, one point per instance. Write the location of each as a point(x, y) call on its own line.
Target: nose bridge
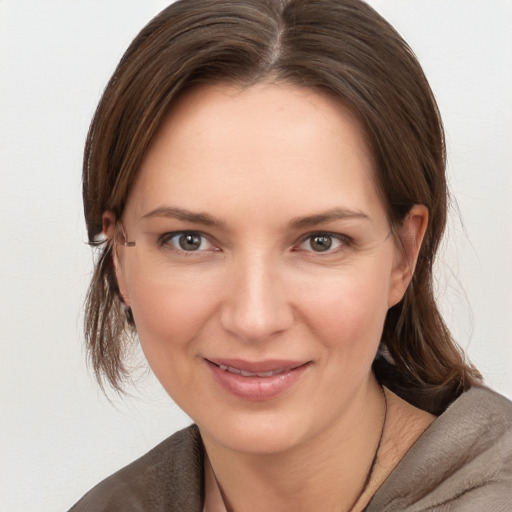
point(257, 305)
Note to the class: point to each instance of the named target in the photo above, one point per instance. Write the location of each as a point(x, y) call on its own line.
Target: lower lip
point(257, 389)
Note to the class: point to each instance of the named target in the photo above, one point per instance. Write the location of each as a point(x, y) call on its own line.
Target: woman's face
point(263, 266)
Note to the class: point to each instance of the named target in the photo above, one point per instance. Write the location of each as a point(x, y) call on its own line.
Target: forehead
point(251, 147)
point(285, 111)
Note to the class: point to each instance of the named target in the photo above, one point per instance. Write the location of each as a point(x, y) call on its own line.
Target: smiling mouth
point(262, 369)
point(257, 381)
point(245, 373)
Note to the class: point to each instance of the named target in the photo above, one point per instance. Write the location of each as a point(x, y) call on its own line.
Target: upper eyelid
point(169, 235)
point(339, 236)
point(345, 241)
point(212, 240)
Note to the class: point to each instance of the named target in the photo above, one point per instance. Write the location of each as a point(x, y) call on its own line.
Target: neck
point(331, 471)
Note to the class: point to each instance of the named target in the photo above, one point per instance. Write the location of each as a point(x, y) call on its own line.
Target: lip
point(256, 381)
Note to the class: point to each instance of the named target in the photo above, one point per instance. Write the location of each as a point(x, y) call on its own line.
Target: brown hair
point(342, 47)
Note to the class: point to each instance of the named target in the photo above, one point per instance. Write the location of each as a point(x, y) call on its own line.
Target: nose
point(256, 304)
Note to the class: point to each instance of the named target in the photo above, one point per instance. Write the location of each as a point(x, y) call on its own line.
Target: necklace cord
point(370, 470)
point(376, 454)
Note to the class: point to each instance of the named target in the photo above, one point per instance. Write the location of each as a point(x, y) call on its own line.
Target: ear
point(410, 237)
point(109, 223)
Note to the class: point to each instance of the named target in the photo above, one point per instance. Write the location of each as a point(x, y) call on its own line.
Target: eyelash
point(165, 242)
point(343, 240)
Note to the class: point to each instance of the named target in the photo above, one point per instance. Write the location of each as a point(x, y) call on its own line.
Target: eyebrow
point(185, 215)
point(327, 216)
point(298, 223)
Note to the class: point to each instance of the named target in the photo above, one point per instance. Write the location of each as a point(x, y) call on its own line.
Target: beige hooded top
point(462, 462)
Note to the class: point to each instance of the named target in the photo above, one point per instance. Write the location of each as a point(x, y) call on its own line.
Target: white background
point(58, 434)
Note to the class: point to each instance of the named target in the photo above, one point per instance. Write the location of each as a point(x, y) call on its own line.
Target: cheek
point(349, 311)
point(170, 317)
point(171, 320)
point(347, 322)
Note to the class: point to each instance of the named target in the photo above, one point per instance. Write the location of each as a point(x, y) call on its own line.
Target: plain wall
point(58, 434)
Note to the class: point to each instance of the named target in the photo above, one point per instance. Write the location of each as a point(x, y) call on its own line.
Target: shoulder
point(169, 478)
point(463, 460)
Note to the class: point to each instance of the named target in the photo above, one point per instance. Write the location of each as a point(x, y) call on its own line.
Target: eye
point(324, 242)
point(189, 241)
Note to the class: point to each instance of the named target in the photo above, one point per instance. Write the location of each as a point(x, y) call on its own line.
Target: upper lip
point(268, 365)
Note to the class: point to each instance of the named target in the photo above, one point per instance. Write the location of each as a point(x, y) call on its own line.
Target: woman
point(266, 179)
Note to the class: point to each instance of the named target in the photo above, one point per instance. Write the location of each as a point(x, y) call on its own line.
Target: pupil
point(321, 243)
point(190, 242)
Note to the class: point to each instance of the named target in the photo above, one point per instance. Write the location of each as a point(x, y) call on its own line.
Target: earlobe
point(410, 237)
point(109, 231)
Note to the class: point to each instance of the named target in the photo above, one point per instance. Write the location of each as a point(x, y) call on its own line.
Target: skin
point(259, 161)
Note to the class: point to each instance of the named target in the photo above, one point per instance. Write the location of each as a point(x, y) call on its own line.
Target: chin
point(259, 434)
